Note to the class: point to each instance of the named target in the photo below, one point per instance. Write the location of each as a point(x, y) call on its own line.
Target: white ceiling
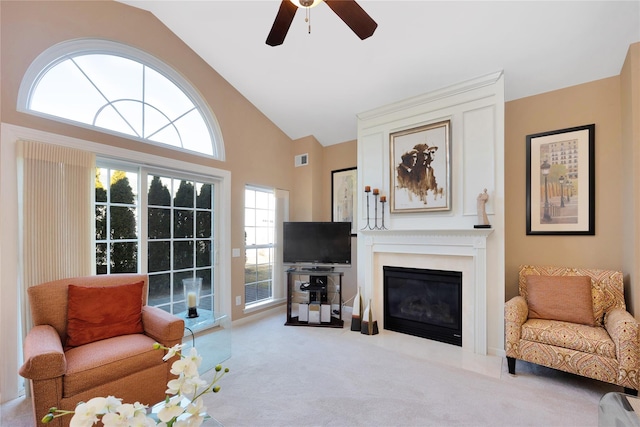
point(316, 84)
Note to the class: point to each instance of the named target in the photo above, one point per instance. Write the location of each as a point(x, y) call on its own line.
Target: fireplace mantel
point(454, 237)
point(466, 247)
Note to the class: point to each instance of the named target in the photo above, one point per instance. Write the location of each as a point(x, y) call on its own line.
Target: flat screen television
point(317, 244)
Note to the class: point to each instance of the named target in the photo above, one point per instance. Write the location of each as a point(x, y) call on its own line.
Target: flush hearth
point(423, 302)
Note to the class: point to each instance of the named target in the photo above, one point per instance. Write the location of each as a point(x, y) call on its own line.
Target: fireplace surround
point(455, 250)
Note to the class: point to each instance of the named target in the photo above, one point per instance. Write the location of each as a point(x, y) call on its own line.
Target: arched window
point(122, 90)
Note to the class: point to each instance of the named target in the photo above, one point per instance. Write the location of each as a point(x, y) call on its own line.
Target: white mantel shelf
point(483, 232)
point(475, 237)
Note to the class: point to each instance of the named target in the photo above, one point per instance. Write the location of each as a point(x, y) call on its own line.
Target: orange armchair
point(126, 365)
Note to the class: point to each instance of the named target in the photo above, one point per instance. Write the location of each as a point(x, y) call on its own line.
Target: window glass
point(120, 89)
point(178, 236)
point(259, 244)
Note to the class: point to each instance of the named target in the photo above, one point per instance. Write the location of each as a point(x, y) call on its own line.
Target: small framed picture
point(343, 196)
point(561, 182)
point(421, 169)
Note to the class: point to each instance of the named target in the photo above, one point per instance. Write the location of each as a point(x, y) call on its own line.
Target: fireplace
point(423, 302)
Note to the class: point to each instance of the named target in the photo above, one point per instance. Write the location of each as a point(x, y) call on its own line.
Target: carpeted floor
point(308, 376)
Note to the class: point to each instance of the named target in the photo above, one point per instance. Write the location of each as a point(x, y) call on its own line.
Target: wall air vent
point(302, 160)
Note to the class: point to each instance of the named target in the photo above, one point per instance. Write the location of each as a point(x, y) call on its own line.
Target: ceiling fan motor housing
point(307, 3)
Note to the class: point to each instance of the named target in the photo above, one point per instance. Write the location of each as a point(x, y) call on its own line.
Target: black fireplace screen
point(423, 302)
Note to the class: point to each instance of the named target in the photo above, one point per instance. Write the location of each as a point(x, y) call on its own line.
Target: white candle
point(191, 299)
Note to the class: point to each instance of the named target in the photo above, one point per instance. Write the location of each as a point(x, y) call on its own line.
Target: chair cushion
point(573, 336)
point(95, 313)
point(564, 298)
point(107, 360)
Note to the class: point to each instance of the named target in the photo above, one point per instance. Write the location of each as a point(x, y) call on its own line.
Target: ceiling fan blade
point(354, 16)
point(282, 23)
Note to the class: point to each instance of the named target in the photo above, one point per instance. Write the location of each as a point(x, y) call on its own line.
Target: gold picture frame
point(421, 169)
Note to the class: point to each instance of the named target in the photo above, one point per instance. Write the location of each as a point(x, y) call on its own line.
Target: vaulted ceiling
point(316, 83)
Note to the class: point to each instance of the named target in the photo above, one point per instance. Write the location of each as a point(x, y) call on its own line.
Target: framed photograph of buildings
point(561, 181)
point(343, 196)
point(421, 169)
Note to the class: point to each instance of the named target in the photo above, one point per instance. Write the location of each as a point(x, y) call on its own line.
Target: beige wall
point(253, 152)
point(336, 157)
point(306, 203)
point(596, 102)
point(630, 106)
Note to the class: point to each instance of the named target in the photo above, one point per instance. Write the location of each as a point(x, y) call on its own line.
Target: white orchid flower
point(192, 421)
point(172, 351)
point(196, 407)
point(115, 419)
point(140, 409)
point(141, 420)
point(194, 357)
point(186, 367)
point(174, 385)
point(171, 410)
point(84, 416)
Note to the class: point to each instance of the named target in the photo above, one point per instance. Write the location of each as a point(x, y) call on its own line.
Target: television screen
point(317, 243)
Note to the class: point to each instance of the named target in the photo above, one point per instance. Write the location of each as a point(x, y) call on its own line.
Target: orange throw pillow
point(96, 313)
point(565, 298)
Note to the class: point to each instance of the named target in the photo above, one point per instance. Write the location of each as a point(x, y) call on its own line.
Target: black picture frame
point(560, 189)
point(344, 203)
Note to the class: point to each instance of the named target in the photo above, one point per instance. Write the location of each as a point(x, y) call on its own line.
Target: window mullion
point(143, 237)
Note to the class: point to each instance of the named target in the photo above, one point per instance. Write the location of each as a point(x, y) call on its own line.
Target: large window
point(121, 90)
point(259, 230)
point(165, 231)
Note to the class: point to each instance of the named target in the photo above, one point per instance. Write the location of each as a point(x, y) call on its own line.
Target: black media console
point(314, 298)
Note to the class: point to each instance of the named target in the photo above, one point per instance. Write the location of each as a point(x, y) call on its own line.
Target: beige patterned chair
point(574, 320)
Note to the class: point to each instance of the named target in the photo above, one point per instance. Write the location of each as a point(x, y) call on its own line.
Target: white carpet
point(308, 376)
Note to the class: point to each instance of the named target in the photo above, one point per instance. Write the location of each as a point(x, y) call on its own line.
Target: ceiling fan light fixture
point(306, 3)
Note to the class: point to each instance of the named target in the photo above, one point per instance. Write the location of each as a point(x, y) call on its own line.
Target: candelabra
point(367, 190)
point(375, 217)
point(383, 200)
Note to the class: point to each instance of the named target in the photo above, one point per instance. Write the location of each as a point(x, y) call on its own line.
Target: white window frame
point(272, 246)
point(279, 283)
point(141, 205)
point(59, 52)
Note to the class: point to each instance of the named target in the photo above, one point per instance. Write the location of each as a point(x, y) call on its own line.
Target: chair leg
point(631, 391)
point(511, 364)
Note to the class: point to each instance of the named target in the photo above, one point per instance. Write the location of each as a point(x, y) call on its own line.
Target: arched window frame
point(64, 50)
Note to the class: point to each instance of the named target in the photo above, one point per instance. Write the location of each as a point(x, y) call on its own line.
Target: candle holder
point(367, 190)
point(383, 200)
point(375, 217)
point(192, 288)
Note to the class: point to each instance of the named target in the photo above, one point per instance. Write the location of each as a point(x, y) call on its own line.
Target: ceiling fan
point(348, 10)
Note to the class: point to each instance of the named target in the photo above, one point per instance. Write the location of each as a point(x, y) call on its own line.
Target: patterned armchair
point(549, 324)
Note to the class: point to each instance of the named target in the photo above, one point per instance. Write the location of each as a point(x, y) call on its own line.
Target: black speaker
point(319, 285)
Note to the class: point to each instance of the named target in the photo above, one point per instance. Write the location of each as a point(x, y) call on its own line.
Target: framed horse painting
point(421, 168)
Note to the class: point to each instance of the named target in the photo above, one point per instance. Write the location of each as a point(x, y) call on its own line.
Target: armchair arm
point(163, 327)
point(43, 354)
point(624, 330)
point(516, 312)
